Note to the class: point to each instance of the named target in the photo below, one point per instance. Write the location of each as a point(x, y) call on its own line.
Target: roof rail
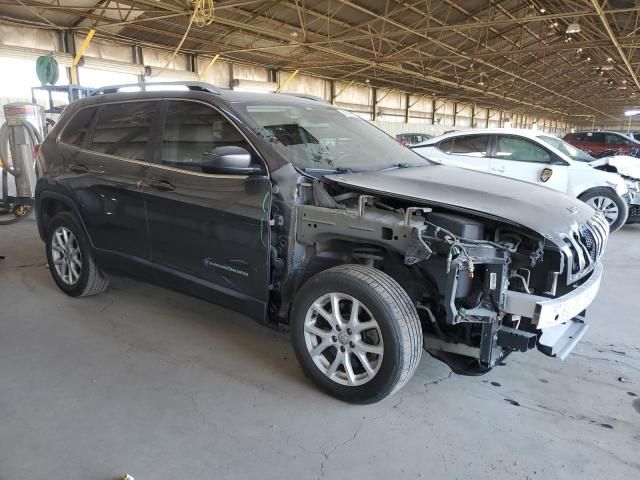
point(190, 85)
point(305, 96)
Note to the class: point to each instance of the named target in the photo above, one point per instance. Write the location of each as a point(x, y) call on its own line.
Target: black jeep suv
point(297, 213)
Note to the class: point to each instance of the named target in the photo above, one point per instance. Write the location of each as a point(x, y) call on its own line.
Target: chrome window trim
point(150, 164)
point(97, 106)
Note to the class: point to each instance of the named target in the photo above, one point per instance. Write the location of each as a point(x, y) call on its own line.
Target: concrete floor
point(164, 386)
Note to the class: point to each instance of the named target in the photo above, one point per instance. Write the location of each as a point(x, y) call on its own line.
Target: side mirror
point(229, 161)
point(557, 161)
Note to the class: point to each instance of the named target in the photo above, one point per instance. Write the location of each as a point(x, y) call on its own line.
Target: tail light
point(36, 149)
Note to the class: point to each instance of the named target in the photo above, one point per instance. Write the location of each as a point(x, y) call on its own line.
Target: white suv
point(535, 157)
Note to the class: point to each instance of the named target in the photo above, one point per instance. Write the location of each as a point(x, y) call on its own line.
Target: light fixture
point(609, 59)
point(630, 113)
point(606, 67)
point(555, 24)
point(573, 28)
point(481, 83)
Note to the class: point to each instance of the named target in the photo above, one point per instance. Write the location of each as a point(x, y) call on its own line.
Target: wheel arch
point(49, 204)
point(339, 250)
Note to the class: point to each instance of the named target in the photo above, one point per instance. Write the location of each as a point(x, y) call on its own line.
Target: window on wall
point(90, 77)
point(19, 76)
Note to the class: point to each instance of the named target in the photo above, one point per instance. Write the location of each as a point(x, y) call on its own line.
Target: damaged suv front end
point(490, 265)
point(483, 285)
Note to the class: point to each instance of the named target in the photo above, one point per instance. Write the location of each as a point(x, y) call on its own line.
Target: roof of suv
point(126, 90)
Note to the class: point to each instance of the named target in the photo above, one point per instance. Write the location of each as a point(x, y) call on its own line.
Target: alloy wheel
point(606, 206)
point(66, 256)
point(343, 339)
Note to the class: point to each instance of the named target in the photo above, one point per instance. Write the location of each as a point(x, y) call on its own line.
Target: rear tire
point(360, 357)
point(605, 200)
point(71, 259)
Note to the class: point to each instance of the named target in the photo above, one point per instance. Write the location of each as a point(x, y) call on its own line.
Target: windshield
point(320, 137)
point(569, 150)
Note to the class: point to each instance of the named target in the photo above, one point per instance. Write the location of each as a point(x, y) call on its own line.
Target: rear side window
point(192, 129)
point(596, 137)
point(471, 145)
point(122, 129)
point(521, 150)
point(613, 139)
point(445, 145)
point(77, 130)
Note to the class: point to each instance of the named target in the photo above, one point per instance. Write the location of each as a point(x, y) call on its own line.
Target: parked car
point(307, 217)
point(635, 136)
point(603, 143)
point(410, 139)
point(532, 156)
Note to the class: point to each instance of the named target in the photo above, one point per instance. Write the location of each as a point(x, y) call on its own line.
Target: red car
point(598, 143)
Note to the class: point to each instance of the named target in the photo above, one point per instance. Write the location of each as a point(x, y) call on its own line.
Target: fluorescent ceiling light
point(606, 67)
point(573, 28)
point(630, 113)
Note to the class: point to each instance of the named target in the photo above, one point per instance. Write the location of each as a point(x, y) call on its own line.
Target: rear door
point(209, 233)
point(107, 158)
point(523, 159)
point(617, 142)
point(466, 151)
point(594, 142)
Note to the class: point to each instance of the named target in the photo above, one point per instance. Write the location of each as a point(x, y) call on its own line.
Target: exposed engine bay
point(458, 268)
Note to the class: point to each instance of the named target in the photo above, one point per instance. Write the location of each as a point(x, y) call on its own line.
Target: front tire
point(356, 333)
point(71, 260)
point(609, 203)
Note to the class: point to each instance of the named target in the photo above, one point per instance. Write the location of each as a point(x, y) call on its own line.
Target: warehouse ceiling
point(513, 54)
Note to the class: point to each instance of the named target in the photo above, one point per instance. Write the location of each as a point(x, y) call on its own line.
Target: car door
point(466, 151)
point(107, 158)
point(209, 233)
point(523, 159)
point(594, 142)
point(618, 143)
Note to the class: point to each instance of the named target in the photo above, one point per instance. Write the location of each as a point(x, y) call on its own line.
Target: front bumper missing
point(550, 312)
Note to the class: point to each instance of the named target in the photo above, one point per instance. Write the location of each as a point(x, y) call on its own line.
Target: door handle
point(79, 168)
point(162, 185)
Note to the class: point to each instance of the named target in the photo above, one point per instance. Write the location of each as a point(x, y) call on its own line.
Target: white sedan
point(535, 157)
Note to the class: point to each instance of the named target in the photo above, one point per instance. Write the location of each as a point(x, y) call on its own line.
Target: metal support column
point(375, 103)
point(433, 111)
point(407, 99)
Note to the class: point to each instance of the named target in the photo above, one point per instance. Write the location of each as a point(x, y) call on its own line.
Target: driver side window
point(192, 130)
point(613, 139)
point(521, 150)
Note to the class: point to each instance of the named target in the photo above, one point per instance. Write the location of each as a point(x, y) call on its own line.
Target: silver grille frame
point(580, 259)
